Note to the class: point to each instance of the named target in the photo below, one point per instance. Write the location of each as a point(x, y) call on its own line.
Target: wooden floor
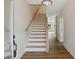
point(57, 52)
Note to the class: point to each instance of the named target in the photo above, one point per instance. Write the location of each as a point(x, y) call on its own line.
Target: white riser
point(36, 44)
point(38, 27)
point(38, 32)
point(37, 35)
point(37, 39)
point(35, 49)
point(38, 24)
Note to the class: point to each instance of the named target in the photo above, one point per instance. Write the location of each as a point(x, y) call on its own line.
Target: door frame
point(11, 26)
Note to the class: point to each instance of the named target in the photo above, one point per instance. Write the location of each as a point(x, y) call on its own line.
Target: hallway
point(57, 52)
point(34, 30)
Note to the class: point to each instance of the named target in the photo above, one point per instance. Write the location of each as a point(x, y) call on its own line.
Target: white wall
point(6, 28)
point(69, 26)
point(6, 15)
point(22, 17)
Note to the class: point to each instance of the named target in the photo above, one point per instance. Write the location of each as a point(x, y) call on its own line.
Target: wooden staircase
point(38, 38)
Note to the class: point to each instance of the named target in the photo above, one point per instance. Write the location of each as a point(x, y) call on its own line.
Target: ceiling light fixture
point(46, 2)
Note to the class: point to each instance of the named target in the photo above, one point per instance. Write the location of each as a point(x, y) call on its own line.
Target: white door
point(11, 27)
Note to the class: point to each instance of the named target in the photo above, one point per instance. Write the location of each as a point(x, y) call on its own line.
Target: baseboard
point(69, 51)
point(22, 54)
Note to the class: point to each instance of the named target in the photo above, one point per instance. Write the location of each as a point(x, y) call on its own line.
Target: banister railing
point(47, 41)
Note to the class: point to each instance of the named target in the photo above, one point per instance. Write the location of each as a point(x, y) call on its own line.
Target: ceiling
point(54, 9)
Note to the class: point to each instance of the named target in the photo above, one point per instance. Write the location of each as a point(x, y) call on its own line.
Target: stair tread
point(35, 49)
point(36, 41)
point(38, 37)
point(38, 31)
point(38, 26)
point(36, 46)
point(38, 34)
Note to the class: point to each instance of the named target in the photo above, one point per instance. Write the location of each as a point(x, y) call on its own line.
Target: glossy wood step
point(38, 32)
point(36, 44)
point(35, 33)
point(36, 47)
point(37, 37)
point(36, 41)
point(38, 27)
point(38, 24)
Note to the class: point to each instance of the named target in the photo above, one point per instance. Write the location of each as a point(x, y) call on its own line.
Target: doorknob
point(14, 46)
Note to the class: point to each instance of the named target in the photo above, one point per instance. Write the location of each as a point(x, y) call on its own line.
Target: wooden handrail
point(36, 12)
